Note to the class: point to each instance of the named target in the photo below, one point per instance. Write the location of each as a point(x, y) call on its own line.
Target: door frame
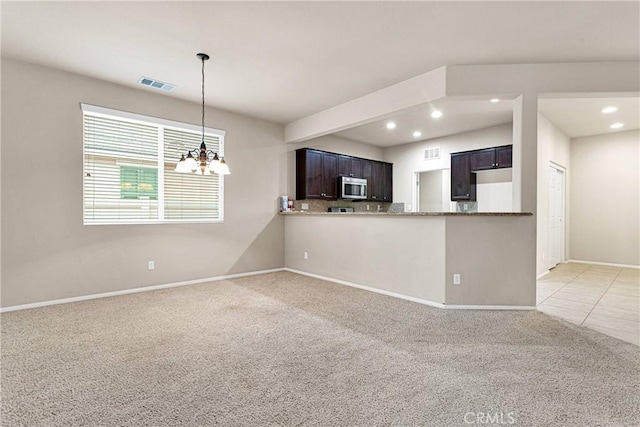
point(563, 212)
point(416, 188)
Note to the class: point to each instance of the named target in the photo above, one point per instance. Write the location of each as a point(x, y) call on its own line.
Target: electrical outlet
point(306, 255)
point(304, 206)
point(151, 265)
point(367, 207)
point(456, 279)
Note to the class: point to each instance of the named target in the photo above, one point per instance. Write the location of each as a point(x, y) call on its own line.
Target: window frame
point(162, 124)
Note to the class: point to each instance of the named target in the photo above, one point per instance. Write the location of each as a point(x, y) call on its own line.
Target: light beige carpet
point(284, 349)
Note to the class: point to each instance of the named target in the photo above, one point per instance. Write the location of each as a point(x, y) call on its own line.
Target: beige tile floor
point(603, 298)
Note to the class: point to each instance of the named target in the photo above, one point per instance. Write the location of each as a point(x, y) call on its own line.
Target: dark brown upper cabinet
point(387, 182)
point(482, 159)
point(350, 166)
point(344, 166)
point(504, 156)
point(317, 172)
point(462, 180)
point(491, 158)
point(356, 167)
point(464, 164)
point(379, 176)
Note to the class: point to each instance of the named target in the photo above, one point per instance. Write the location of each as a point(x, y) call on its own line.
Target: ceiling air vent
point(146, 81)
point(432, 153)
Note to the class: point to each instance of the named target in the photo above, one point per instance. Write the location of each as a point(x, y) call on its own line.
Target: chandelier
point(202, 161)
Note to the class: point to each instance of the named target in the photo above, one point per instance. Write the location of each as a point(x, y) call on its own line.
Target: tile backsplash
point(467, 207)
point(324, 205)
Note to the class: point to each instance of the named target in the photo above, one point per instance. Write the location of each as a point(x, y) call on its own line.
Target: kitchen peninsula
point(415, 255)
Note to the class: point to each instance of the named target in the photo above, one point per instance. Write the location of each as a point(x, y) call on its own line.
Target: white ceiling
point(458, 115)
point(578, 117)
point(281, 61)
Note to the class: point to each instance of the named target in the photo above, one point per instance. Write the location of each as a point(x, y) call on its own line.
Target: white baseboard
point(540, 276)
point(413, 299)
point(134, 290)
point(367, 288)
point(577, 261)
point(491, 307)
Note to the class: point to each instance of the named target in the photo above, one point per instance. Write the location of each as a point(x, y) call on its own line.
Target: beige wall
point(495, 257)
point(408, 159)
point(416, 256)
point(494, 190)
point(404, 255)
point(340, 145)
point(431, 185)
point(605, 194)
point(553, 147)
point(48, 254)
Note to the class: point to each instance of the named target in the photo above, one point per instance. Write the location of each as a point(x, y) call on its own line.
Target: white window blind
point(128, 170)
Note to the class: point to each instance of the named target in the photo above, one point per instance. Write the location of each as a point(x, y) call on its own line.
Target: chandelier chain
point(203, 99)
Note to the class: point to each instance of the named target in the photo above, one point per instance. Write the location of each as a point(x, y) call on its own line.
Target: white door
point(556, 216)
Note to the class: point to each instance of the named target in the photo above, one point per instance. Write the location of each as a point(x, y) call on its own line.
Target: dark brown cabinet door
point(356, 167)
point(504, 156)
point(350, 166)
point(344, 166)
point(329, 175)
point(461, 178)
point(387, 183)
point(308, 174)
point(367, 173)
point(483, 159)
point(377, 180)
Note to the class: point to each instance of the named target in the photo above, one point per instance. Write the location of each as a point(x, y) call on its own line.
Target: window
point(128, 170)
point(138, 183)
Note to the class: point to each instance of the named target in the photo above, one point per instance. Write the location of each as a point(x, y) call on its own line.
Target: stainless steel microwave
point(352, 188)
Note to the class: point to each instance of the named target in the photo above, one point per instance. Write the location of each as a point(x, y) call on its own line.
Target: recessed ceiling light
point(609, 110)
point(391, 125)
point(494, 100)
point(616, 125)
point(436, 114)
point(417, 134)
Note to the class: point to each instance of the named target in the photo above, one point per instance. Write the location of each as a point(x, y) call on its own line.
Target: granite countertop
point(303, 213)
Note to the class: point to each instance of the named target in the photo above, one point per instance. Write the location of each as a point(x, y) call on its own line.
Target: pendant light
point(202, 161)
